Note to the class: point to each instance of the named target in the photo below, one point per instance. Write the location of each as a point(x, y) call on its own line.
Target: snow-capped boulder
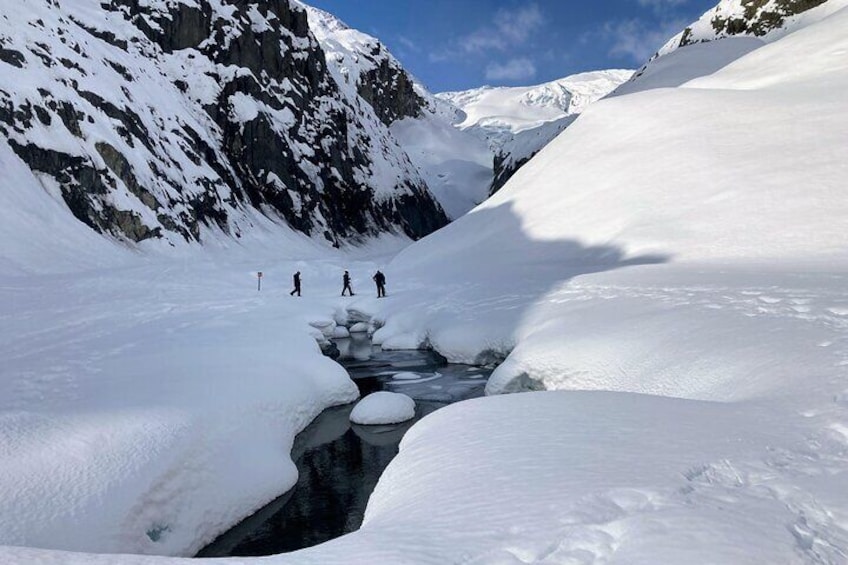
point(383, 408)
point(340, 332)
point(359, 327)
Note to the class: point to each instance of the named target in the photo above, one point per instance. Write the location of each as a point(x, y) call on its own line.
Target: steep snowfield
point(754, 181)
point(686, 242)
point(30, 212)
point(456, 165)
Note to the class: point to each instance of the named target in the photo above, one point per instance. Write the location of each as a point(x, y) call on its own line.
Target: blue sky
point(460, 44)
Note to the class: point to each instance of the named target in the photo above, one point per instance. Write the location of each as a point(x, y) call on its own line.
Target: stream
point(339, 463)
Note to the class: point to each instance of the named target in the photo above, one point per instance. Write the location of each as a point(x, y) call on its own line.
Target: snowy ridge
point(517, 122)
point(766, 19)
point(145, 116)
point(497, 112)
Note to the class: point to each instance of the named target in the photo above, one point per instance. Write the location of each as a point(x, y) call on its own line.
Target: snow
point(359, 327)
point(516, 122)
point(672, 270)
point(149, 400)
point(703, 29)
point(456, 165)
point(680, 249)
point(383, 408)
point(495, 113)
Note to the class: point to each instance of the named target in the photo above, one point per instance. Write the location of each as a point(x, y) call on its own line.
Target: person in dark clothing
point(346, 282)
point(296, 279)
point(380, 280)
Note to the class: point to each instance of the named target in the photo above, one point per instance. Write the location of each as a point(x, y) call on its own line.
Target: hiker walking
point(380, 280)
point(346, 282)
point(296, 284)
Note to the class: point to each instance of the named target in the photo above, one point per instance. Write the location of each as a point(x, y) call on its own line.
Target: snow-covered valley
point(663, 288)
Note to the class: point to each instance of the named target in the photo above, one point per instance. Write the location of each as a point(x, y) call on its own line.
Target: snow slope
point(685, 242)
point(755, 178)
point(145, 409)
point(456, 165)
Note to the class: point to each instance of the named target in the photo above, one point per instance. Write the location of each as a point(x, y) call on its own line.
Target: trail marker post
point(258, 281)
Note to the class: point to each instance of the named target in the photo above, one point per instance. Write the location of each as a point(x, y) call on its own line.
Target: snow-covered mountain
point(160, 119)
point(516, 122)
point(456, 165)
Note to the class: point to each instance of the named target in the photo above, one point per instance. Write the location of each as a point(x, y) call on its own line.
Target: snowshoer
point(380, 280)
point(296, 284)
point(346, 282)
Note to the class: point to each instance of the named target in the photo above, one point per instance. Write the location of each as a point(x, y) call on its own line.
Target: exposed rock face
point(390, 91)
point(156, 120)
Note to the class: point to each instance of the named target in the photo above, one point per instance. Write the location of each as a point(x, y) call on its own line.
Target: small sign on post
point(259, 281)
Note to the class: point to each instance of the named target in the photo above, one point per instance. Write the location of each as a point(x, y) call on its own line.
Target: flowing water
point(339, 463)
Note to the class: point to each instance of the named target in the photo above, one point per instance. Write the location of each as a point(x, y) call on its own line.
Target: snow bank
point(147, 409)
point(593, 476)
point(383, 408)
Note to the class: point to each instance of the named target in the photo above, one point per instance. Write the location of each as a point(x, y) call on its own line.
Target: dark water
point(339, 463)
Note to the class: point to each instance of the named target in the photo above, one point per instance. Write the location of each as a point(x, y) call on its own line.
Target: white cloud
point(408, 43)
point(662, 7)
point(514, 69)
point(508, 28)
point(659, 4)
point(638, 40)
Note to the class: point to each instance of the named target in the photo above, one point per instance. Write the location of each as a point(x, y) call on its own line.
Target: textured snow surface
point(146, 408)
point(383, 408)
